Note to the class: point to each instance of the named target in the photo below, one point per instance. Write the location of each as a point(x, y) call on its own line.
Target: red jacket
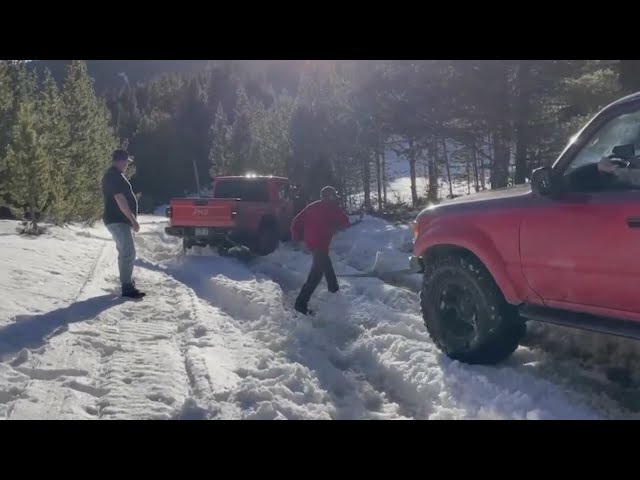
point(317, 223)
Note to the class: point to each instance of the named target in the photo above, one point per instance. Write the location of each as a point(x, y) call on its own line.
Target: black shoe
point(334, 289)
point(132, 292)
point(303, 310)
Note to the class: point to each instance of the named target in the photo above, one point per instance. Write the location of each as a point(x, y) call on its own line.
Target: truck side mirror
point(541, 181)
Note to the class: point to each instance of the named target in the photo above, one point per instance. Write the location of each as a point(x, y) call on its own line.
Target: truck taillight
point(415, 228)
point(168, 212)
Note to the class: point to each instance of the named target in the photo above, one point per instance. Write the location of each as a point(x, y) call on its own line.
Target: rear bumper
point(190, 232)
point(416, 264)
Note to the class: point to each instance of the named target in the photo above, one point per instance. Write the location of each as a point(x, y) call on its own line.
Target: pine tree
point(54, 135)
point(276, 144)
point(219, 155)
point(27, 169)
point(240, 140)
point(192, 125)
point(5, 124)
point(91, 142)
point(18, 86)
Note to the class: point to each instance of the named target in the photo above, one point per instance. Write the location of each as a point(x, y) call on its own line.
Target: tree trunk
point(433, 172)
point(379, 177)
point(501, 154)
point(32, 216)
point(501, 135)
point(446, 163)
point(383, 167)
point(522, 115)
point(474, 161)
point(468, 168)
point(366, 178)
point(412, 172)
point(483, 172)
point(414, 189)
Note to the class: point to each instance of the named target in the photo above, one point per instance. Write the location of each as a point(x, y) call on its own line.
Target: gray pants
point(123, 235)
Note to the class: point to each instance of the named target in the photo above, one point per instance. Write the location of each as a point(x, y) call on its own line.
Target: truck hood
point(494, 198)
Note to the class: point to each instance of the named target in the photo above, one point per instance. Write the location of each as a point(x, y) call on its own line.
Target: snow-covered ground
point(216, 338)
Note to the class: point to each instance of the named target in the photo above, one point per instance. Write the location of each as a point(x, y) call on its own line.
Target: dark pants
point(320, 267)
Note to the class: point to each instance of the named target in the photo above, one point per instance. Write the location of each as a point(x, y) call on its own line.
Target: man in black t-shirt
point(120, 211)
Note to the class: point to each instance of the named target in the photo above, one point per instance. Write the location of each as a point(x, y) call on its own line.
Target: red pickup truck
point(564, 249)
point(251, 211)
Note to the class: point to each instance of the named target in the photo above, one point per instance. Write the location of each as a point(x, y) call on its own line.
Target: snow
point(217, 339)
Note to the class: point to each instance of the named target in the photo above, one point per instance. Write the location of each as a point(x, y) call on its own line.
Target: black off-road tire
point(267, 241)
point(495, 328)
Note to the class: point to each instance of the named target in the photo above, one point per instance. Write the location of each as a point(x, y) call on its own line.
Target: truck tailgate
point(203, 212)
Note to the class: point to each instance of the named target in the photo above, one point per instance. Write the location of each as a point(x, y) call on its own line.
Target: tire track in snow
point(130, 364)
point(339, 334)
point(290, 357)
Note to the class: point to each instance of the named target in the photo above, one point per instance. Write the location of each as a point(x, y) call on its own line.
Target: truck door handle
point(633, 222)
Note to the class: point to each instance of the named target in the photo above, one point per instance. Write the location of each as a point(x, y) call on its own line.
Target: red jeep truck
point(252, 211)
point(564, 249)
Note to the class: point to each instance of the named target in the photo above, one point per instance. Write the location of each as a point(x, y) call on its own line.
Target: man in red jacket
point(316, 225)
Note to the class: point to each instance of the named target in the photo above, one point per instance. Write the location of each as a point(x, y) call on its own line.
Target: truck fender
point(479, 244)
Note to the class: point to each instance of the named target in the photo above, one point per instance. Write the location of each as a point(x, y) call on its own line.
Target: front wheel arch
point(440, 250)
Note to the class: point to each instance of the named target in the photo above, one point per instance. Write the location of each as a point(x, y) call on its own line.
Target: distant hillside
point(109, 74)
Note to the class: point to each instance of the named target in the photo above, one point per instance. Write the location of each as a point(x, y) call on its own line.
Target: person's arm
point(628, 176)
point(297, 227)
point(342, 220)
point(124, 208)
point(118, 186)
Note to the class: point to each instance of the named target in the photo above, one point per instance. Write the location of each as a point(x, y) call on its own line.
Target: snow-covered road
point(216, 338)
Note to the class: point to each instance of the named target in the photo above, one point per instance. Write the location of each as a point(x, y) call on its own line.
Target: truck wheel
point(185, 245)
point(465, 312)
point(267, 241)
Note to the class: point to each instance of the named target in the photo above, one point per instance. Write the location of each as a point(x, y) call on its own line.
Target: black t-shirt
point(114, 182)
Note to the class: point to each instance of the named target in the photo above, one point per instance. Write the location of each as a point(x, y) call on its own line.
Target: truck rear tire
point(267, 241)
point(465, 312)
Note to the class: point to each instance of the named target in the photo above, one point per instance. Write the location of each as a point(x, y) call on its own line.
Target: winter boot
point(303, 309)
point(130, 291)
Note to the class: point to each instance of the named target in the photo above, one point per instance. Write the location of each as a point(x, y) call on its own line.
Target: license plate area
point(202, 232)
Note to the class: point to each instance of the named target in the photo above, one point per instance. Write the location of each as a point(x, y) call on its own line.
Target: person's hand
point(135, 226)
point(606, 166)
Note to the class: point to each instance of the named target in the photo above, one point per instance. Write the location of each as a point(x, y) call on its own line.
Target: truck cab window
point(621, 130)
point(243, 189)
point(283, 192)
point(229, 189)
point(256, 191)
point(582, 174)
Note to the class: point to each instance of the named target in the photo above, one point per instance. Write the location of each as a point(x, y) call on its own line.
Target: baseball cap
point(328, 191)
point(120, 155)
